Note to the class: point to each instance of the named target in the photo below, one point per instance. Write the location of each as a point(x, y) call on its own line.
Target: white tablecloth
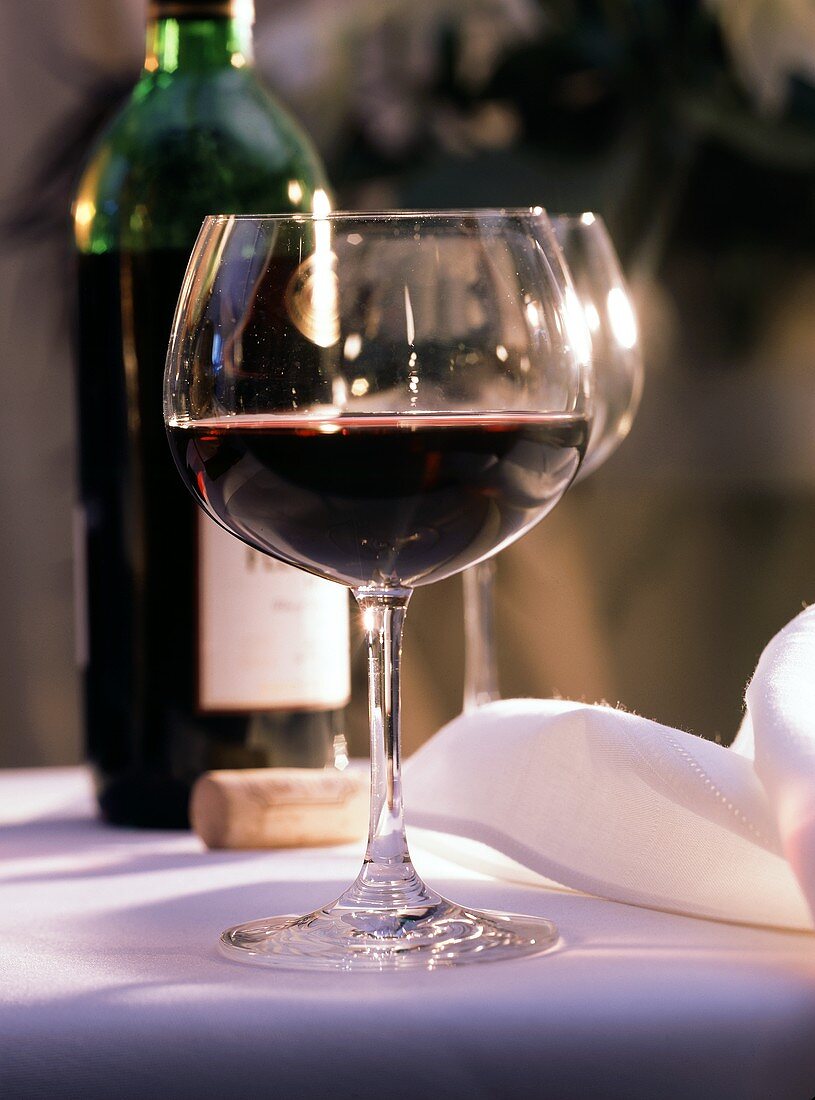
point(111, 984)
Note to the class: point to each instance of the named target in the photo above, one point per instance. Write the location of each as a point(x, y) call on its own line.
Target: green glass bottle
point(197, 653)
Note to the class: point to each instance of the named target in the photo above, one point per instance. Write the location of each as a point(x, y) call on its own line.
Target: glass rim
point(307, 217)
point(585, 218)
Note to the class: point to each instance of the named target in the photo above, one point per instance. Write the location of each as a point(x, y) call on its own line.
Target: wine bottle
point(198, 652)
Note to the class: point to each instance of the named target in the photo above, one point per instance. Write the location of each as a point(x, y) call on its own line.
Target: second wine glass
point(592, 274)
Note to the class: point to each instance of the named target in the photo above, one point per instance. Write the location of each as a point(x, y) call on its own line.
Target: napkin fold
point(609, 803)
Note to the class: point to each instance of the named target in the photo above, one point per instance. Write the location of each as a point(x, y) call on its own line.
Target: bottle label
point(269, 636)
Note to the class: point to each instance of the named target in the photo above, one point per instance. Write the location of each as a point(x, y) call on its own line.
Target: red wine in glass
point(380, 499)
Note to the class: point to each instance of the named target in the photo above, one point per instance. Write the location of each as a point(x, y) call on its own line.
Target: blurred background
point(690, 125)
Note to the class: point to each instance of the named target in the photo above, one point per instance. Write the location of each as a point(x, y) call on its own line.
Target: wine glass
point(382, 400)
point(592, 273)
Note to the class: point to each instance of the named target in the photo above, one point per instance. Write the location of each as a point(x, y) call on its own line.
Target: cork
point(280, 807)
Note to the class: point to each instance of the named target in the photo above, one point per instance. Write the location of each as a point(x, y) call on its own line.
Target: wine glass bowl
point(355, 393)
point(382, 400)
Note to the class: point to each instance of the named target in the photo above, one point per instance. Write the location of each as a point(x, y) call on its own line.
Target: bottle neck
point(189, 39)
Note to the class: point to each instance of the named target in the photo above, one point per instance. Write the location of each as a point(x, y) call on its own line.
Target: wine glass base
point(341, 938)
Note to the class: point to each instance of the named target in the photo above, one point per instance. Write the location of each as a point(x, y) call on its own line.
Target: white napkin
point(609, 803)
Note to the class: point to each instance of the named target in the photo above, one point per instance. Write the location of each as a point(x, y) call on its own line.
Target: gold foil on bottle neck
point(227, 9)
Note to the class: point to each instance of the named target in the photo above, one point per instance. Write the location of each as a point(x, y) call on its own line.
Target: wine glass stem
point(480, 662)
point(387, 880)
